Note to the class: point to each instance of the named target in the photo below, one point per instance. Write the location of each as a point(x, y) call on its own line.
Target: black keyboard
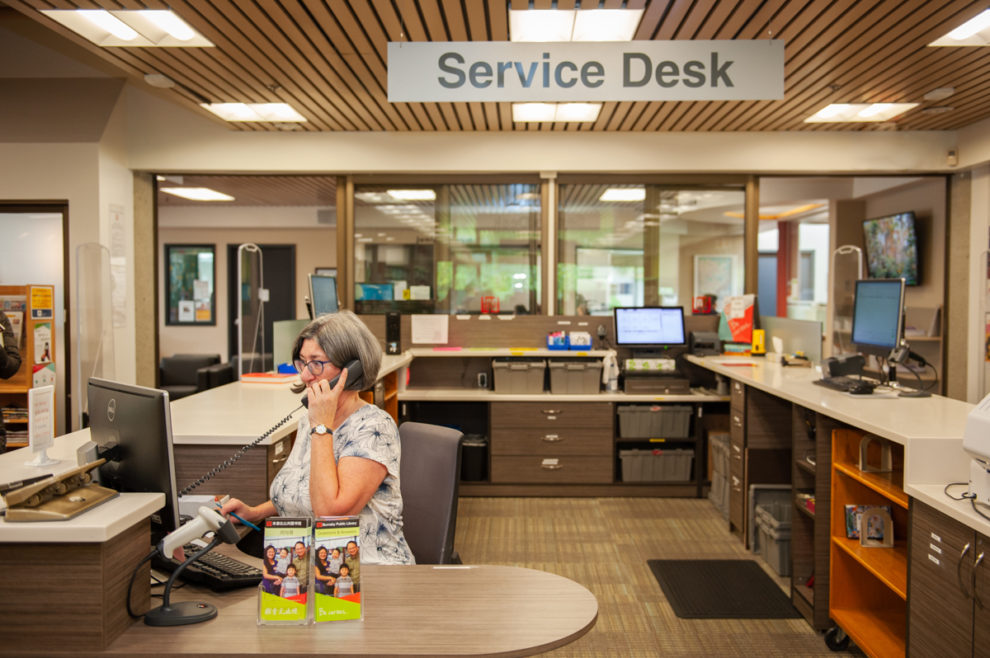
point(214, 570)
point(844, 383)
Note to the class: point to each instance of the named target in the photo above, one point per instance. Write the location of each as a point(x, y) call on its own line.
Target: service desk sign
point(587, 71)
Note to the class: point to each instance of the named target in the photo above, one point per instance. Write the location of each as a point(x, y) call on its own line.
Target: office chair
point(429, 475)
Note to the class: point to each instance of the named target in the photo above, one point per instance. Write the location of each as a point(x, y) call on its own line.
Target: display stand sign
point(41, 428)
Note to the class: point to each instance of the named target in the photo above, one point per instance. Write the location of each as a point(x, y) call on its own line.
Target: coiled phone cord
point(230, 461)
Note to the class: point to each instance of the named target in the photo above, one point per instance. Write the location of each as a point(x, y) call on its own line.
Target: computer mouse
point(862, 388)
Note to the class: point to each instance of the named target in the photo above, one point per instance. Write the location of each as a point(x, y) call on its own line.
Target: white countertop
point(96, 525)
point(930, 429)
point(422, 394)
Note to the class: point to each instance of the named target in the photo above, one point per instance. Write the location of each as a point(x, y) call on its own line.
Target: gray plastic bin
point(773, 522)
point(519, 375)
point(656, 465)
point(575, 376)
point(669, 421)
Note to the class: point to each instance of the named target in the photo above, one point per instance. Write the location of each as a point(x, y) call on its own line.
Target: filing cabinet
point(551, 442)
point(759, 448)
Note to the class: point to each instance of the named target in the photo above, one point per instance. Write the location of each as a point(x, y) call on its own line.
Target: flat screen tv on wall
point(892, 248)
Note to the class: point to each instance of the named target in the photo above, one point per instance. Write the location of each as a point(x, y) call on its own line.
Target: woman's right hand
point(241, 509)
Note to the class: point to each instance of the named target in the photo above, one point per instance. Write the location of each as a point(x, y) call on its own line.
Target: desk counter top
point(97, 525)
point(930, 429)
point(409, 610)
point(423, 394)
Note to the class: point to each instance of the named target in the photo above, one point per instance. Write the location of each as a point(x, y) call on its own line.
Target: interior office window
point(189, 284)
point(633, 244)
point(447, 248)
point(799, 246)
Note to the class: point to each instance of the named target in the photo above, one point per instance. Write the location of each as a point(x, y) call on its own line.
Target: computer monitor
point(649, 326)
point(132, 428)
point(878, 315)
point(323, 294)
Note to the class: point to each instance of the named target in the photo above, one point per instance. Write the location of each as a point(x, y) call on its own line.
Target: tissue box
point(579, 340)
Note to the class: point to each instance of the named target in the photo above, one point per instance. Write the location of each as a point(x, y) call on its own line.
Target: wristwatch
point(321, 429)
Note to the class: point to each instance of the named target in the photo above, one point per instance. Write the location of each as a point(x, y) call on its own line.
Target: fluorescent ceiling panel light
point(132, 28)
point(413, 195)
point(541, 24)
point(561, 112)
point(106, 21)
point(554, 25)
point(275, 112)
point(624, 194)
point(577, 112)
point(523, 112)
point(859, 113)
point(174, 26)
point(197, 193)
point(974, 32)
point(606, 24)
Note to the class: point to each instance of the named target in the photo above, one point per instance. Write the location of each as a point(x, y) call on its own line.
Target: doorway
point(279, 264)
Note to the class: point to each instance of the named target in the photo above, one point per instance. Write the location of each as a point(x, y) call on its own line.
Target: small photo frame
point(876, 528)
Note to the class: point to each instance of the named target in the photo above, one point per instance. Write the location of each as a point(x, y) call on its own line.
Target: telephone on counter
point(355, 371)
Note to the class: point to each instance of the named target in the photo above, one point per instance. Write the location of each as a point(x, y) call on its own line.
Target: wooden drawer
point(737, 391)
point(551, 414)
point(547, 470)
point(558, 441)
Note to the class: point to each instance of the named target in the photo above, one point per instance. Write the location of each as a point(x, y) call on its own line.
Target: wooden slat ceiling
point(327, 58)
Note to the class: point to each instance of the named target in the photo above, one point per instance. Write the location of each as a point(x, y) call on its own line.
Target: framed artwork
point(190, 289)
point(717, 275)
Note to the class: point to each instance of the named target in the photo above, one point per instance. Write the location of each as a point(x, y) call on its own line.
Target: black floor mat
point(721, 589)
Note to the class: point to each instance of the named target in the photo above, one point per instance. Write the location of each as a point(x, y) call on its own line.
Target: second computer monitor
point(649, 326)
point(323, 294)
point(878, 315)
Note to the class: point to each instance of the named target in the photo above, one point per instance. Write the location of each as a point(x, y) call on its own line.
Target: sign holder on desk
point(41, 429)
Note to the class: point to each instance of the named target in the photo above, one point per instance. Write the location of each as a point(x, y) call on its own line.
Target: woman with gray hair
point(345, 460)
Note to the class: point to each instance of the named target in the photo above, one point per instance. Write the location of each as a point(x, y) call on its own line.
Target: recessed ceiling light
point(142, 28)
point(625, 194)
point(548, 25)
point(197, 193)
point(275, 112)
point(939, 94)
point(859, 113)
point(974, 32)
point(159, 80)
point(413, 195)
point(563, 112)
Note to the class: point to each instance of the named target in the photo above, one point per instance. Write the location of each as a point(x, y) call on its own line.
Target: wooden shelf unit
point(14, 391)
point(868, 585)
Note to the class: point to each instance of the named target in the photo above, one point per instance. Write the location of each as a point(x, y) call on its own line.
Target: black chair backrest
point(429, 475)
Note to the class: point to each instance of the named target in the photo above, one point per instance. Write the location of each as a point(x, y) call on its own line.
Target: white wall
point(978, 383)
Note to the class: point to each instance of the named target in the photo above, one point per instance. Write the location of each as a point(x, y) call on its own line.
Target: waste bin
point(474, 458)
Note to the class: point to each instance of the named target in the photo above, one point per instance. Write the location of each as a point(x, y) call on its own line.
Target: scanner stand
point(58, 498)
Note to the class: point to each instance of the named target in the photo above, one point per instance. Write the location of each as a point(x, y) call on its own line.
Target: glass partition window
point(447, 248)
point(189, 284)
point(647, 244)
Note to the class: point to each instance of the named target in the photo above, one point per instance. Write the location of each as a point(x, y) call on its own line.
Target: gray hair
point(343, 337)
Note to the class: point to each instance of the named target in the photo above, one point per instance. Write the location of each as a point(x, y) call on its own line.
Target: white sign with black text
point(585, 71)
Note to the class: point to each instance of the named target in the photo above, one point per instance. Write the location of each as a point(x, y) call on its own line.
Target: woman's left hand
point(323, 400)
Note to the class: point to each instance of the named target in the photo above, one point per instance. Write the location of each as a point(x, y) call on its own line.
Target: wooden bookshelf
point(868, 584)
point(36, 303)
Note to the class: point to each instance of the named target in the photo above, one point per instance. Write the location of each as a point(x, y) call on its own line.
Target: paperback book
point(283, 595)
point(337, 572)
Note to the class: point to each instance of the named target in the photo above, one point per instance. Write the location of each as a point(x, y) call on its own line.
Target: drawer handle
point(959, 577)
point(276, 462)
point(976, 565)
point(555, 466)
point(737, 449)
point(553, 412)
point(736, 420)
point(552, 438)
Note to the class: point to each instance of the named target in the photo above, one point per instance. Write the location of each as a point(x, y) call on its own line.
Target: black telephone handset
point(354, 372)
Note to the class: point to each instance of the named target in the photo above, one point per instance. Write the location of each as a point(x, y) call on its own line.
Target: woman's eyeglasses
point(315, 367)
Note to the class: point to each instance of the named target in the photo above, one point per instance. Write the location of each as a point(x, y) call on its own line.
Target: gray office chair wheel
point(836, 639)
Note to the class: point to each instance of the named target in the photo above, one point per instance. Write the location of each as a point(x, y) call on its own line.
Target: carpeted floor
point(604, 544)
